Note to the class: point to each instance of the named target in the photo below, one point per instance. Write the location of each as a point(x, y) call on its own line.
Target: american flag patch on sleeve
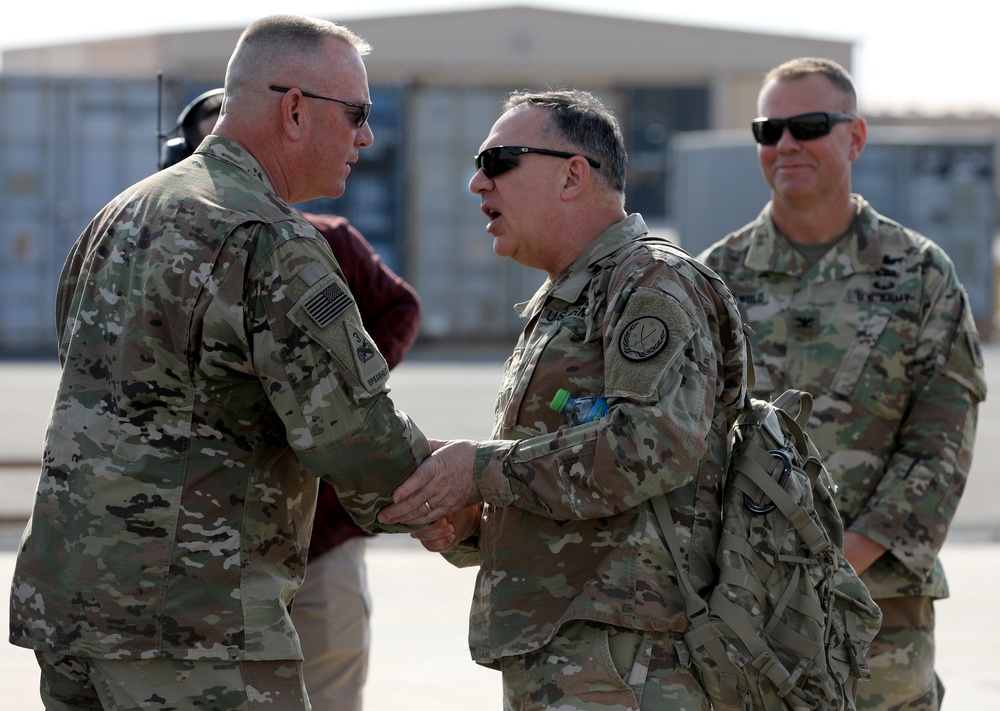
point(327, 304)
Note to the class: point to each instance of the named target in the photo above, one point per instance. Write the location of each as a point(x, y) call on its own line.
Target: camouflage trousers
point(901, 659)
point(589, 666)
point(80, 683)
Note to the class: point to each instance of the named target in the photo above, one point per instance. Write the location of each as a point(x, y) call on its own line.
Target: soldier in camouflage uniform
point(870, 318)
point(214, 367)
point(577, 600)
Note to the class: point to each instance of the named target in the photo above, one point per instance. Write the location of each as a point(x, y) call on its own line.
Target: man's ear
point(859, 138)
point(291, 114)
point(576, 175)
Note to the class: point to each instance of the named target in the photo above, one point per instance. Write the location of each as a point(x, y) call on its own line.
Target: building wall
point(437, 82)
point(512, 47)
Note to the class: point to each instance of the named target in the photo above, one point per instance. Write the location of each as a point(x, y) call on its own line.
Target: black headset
point(187, 138)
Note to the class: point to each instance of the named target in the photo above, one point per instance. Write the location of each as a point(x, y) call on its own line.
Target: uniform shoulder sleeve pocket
point(965, 364)
point(650, 334)
point(325, 311)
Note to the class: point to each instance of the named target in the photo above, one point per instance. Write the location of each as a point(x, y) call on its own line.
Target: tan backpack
point(788, 622)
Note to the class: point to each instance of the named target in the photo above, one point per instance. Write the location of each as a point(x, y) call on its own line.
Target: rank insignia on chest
point(804, 324)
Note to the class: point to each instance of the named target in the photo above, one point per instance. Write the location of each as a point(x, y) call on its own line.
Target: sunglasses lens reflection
point(495, 161)
point(806, 127)
point(768, 132)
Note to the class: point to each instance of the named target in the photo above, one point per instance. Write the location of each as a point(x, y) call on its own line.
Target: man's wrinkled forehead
point(519, 126)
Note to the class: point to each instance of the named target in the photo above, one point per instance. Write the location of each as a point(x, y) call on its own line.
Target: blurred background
point(85, 91)
point(86, 88)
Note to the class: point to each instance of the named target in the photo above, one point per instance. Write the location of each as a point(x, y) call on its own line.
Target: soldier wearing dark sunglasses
point(555, 511)
point(870, 318)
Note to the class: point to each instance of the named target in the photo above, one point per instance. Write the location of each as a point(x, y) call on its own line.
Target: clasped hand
point(441, 491)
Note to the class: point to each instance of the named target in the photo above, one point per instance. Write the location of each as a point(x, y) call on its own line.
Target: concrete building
point(87, 113)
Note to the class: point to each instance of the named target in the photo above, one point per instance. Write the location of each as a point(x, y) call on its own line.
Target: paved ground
point(420, 660)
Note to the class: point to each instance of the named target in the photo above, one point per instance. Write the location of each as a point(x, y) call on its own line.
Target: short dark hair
point(584, 121)
point(804, 66)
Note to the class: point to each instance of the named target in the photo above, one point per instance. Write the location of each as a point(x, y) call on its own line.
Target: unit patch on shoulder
point(365, 351)
point(371, 366)
point(650, 336)
point(643, 338)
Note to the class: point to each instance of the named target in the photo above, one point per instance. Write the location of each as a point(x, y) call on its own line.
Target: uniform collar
point(571, 283)
point(229, 151)
point(770, 252)
point(574, 280)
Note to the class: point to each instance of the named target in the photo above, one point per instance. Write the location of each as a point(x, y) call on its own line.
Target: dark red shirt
point(390, 311)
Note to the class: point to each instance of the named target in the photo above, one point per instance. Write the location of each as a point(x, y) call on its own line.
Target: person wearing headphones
point(195, 121)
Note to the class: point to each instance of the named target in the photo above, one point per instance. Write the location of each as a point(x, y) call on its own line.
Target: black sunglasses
point(365, 108)
point(804, 127)
point(499, 159)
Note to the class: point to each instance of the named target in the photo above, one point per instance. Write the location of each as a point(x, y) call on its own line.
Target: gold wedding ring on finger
point(427, 505)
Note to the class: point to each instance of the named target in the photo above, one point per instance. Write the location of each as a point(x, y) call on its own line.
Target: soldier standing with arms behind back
point(870, 318)
point(214, 367)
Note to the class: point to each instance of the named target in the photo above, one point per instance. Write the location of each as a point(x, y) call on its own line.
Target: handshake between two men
point(442, 492)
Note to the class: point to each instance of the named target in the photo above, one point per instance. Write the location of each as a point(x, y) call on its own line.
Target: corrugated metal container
point(67, 146)
point(715, 184)
point(466, 290)
point(373, 200)
point(940, 183)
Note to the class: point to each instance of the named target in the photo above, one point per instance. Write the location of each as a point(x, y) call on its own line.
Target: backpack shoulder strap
point(702, 631)
point(692, 602)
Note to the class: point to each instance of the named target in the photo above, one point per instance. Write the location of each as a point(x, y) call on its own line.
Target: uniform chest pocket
point(555, 356)
point(874, 370)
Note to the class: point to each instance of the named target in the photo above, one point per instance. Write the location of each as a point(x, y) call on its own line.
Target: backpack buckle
point(786, 470)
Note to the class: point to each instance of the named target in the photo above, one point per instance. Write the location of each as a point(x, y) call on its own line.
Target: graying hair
point(584, 121)
point(270, 39)
point(296, 30)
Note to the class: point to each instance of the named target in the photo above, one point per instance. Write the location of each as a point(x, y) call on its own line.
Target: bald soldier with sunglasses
point(575, 603)
point(870, 318)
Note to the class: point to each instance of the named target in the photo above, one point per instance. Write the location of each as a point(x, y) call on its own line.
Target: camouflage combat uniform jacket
point(880, 332)
point(213, 366)
point(567, 531)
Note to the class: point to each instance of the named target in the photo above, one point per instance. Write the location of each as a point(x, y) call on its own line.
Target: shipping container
point(67, 147)
point(466, 290)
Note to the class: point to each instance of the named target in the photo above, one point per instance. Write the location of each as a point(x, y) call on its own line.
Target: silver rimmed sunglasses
point(365, 108)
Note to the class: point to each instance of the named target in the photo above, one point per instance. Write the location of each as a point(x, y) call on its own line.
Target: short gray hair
point(270, 39)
